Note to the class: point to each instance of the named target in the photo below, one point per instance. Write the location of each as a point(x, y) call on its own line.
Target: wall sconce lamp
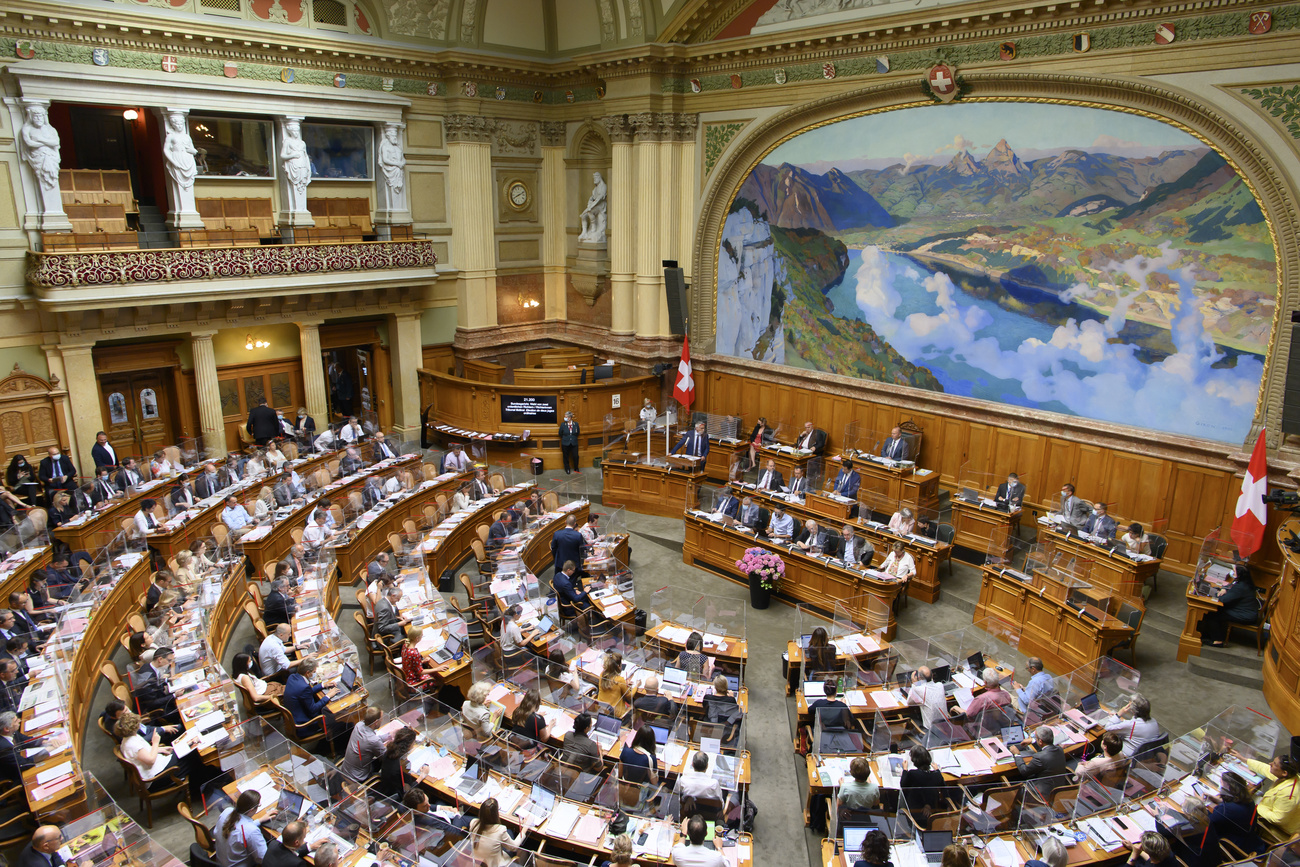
point(529, 303)
point(251, 344)
point(130, 114)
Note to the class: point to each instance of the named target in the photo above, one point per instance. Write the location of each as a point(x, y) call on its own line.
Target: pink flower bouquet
point(769, 567)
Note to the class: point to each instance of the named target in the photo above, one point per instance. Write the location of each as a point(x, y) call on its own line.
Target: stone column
point(83, 401)
point(294, 174)
point(391, 203)
point(39, 149)
point(554, 224)
point(407, 356)
point(469, 144)
point(181, 168)
point(313, 374)
point(622, 229)
point(650, 133)
point(212, 421)
point(686, 130)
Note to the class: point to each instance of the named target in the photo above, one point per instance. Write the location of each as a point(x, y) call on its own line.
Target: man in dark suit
point(57, 472)
point(1010, 493)
point(233, 471)
point(151, 685)
point(569, 436)
point(852, 548)
point(381, 450)
point(896, 447)
point(770, 479)
point(43, 851)
point(304, 699)
point(351, 462)
point(12, 745)
point(371, 494)
point(752, 515)
point(1042, 761)
point(11, 688)
point(566, 544)
point(813, 439)
point(277, 608)
point(1099, 523)
point(289, 849)
point(389, 622)
point(103, 490)
point(294, 560)
point(847, 482)
point(568, 587)
point(695, 444)
point(262, 425)
point(129, 476)
point(208, 482)
point(482, 489)
point(497, 533)
point(728, 504)
point(798, 484)
point(102, 452)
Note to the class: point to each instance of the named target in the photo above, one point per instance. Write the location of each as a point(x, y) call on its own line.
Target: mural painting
point(1062, 258)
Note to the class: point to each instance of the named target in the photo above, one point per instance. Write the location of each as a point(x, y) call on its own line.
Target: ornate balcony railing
point(123, 267)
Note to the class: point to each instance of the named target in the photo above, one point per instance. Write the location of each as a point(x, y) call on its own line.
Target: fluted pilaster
point(211, 419)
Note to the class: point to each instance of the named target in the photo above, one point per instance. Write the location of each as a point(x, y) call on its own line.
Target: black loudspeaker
point(675, 286)
point(1291, 396)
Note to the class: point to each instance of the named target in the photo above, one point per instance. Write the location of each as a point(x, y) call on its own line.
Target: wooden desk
point(735, 649)
point(1048, 628)
point(792, 664)
point(807, 579)
point(1189, 642)
point(982, 528)
point(452, 549)
point(1123, 575)
point(651, 490)
point(723, 457)
point(17, 569)
point(885, 487)
point(353, 556)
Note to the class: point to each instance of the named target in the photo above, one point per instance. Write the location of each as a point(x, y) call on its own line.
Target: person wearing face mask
point(1099, 523)
point(57, 472)
point(304, 426)
point(569, 435)
point(1010, 493)
point(209, 482)
point(103, 489)
point(1073, 510)
point(286, 426)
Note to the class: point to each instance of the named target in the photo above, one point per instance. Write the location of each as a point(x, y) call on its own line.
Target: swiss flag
point(684, 389)
point(1251, 518)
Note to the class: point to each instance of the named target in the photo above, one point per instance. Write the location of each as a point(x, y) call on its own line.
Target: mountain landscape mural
point(1061, 258)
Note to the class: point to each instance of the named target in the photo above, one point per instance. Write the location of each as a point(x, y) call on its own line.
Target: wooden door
point(138, 407)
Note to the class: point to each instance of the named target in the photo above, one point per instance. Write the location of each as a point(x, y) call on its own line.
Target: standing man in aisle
point(263, 426)
point(569, 434)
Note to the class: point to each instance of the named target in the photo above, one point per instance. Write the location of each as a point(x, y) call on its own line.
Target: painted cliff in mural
point(1062, 258)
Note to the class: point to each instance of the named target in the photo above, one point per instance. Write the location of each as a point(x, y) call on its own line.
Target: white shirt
point(456, 461)
point(275, 459)
point(163, 468)
point(385, 450)
point(254, 468)
point(236, 517)
point(351, 433)
point(325, 441)
point(1135, 732)
point(699, 784)
point(393, 485)
point(686, 855)
point(271, 655)
point(131, 748)
point(315, 535)
point(900, 566)
point(765, 481)
point(459, 501)
point(930, 697)
point(648, 414)
point(112, 452)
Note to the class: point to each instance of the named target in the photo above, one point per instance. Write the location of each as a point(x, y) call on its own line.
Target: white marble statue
point(593, 216)
point(392, 162)
point(41, 152)
point(296, 165)
point(179, 153)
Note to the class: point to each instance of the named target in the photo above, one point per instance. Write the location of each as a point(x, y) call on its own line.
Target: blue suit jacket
point(1103, 526)
point(895, 448)
point(849, 482)
point(497, 534)
point(730, 506)
point(302, 699)
point(703, 449)
point(566, 545)
point(569, 589)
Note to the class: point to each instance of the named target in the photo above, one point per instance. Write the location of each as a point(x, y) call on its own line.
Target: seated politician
point(1099, 523)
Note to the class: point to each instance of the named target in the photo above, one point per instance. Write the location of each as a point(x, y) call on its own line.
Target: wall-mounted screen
point(526, 409)
point(232, 147)
point(339, 151)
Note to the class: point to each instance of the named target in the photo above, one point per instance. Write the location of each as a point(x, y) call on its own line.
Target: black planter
point(759, 596)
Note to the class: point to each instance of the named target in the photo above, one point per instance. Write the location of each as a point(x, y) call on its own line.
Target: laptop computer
point(545, 625)
point(933, 843)
point(853, 837)
point(970, 495)
point(347, 679)
point(733, 683)
point(606, 731)
point(661, 734)
point(941, 673)
point(511, 599)
point(673, 681)
point(1089, 703)
point(1013, 735)
point(541, 801)
point(975, 662)
point(449, 651)
point(287, 810)
point(805, 639)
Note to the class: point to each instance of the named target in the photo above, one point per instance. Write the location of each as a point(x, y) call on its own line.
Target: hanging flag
point(1251, 518)
point(684, 389)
